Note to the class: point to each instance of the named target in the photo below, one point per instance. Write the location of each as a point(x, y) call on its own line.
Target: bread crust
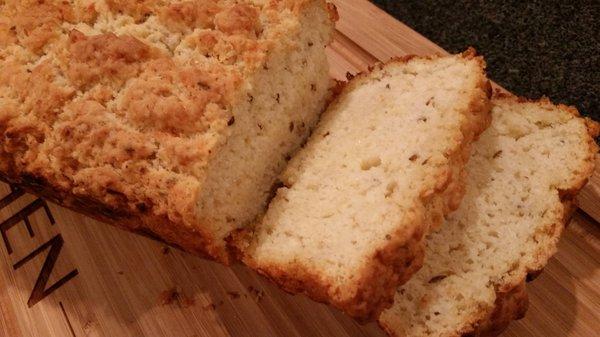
point(511, 299)
point(394, 263)
point(162, 229)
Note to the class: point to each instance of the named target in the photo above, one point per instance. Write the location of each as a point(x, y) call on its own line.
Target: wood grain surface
point(64, 275)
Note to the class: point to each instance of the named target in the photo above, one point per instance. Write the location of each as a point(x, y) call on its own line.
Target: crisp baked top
point(127, 97)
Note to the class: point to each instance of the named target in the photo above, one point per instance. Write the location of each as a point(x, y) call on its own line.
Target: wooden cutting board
point(64, 275)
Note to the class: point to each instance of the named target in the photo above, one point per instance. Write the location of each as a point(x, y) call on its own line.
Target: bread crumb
point(168, 296)
point(233, 294)
point(257, 294)
point(171, 296)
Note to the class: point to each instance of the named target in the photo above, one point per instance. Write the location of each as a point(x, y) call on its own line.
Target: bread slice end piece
point(529, 164)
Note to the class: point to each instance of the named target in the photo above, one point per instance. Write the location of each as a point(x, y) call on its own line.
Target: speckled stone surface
point(532, 48)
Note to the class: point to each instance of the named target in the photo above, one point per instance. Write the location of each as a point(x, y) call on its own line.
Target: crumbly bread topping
point(522, 178)
point(128, 102)
point(383, 165)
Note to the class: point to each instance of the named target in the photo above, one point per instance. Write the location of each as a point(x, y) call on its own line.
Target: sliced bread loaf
point(382, 167)
point(521, 180)
point(169, 118)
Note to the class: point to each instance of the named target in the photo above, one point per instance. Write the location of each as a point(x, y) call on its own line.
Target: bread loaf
point(381, 169)
point(521, 180)
point(169, 118)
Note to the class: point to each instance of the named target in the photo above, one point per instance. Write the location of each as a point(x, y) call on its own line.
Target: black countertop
point(532, 48)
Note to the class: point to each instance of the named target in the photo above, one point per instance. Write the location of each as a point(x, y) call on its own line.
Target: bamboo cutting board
point(65, 275)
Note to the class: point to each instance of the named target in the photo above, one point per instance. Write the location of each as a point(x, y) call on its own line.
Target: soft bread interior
point(362, 183)
point(274, 116)
point(507, 225)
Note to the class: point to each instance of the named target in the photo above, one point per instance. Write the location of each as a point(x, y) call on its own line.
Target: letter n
point(39, 290)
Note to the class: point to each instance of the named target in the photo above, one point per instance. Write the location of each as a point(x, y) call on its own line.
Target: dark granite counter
point(532, 48)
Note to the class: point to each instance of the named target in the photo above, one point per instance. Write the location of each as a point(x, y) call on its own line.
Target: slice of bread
point(382, 167)
point(169, 118)
point(521, 180)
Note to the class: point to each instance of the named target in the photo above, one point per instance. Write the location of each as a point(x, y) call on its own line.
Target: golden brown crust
point(333, 12)
point(394, 263)
point(124, 123)
point(162, 229)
